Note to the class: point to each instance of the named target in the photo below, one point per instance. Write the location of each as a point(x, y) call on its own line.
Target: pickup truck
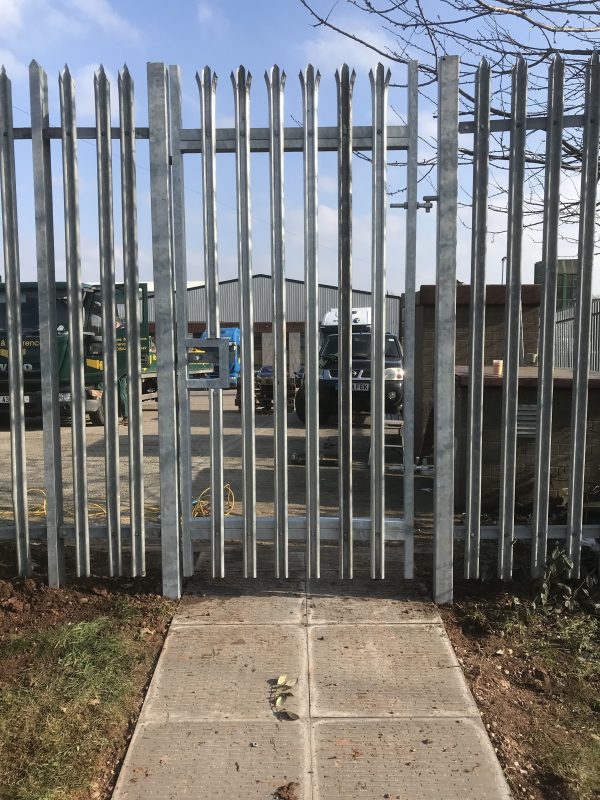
point(361, 376)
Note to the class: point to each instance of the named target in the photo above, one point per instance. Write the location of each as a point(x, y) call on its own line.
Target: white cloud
point(210, 16)
point(11, 15)
point(15, 69)
point(101, 14)
point(327, 50)
point(85, 103)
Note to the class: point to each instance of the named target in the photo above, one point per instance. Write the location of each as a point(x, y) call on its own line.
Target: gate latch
point(207, 363)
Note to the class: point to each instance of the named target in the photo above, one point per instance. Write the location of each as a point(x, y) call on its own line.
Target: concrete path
point(383, 710)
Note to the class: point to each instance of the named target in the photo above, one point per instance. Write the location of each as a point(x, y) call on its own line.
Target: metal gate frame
point(169, 142)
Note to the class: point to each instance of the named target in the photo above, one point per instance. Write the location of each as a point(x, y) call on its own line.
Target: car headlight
point(393, 374)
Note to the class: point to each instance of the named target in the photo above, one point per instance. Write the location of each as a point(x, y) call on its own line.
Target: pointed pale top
point(124, 78)
point(275, 76)
point(343, 73)
point(241, 77)
point(204, 77)
point(309, 75)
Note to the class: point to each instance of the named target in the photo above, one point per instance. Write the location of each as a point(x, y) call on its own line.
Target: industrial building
point(262, 293)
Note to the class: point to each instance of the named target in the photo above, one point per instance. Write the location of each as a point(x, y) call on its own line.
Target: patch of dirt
point(290, 791)
point(528, 697)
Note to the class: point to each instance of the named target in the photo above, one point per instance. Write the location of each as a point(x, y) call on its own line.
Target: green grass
point(75, 688)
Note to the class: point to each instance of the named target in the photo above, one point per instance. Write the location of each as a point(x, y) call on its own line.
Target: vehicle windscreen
point(30, 320)
point(361, 347)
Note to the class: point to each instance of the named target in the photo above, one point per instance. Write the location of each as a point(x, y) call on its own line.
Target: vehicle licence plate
point(5, 399)
point(360, 387)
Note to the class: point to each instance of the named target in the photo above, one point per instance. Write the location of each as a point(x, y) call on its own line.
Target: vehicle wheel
point(300, 405)
point(97, 417)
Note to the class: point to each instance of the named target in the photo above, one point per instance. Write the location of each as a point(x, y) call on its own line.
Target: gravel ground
point(232, 443)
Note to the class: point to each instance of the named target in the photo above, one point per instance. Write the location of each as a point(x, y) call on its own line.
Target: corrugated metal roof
point(229, 302)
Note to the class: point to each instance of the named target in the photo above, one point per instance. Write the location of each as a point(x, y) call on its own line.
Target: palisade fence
point(539, 532)
point(565, 337)
point(177, 530)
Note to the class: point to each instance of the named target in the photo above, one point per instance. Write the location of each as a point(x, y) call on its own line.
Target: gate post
point(162, 256)
point(445, 328)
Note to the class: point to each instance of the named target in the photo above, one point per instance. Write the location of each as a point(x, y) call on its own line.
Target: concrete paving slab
point(223, 672)
point(214, 760)
point(385, 670)
point(331, 608)
point(224, 608)
point(415, 759)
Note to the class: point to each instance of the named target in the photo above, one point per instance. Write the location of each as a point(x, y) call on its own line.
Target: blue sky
point(192, 33)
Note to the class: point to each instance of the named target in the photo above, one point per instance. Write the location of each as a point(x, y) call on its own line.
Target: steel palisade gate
point(169, 142)
point(281, 528)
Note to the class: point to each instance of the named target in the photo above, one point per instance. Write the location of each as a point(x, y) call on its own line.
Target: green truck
point(93, 364)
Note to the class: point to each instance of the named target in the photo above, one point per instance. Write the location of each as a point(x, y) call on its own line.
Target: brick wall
point(494, 344)
point(491, 450)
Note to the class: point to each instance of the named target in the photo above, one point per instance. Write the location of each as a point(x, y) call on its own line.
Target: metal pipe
point(180, 269)
point(345, 83)
point(541, 491)
point(512, 318)
point(275, 80)
point(583, 307)
point(445, 327)
point(132, 313)
point(207, 83)
point(44, 241)
point(310, 98)
point(241, 81)
point(481, 148)
point(164, 281)
point(379, 85)
point(408, 338)
point(76, 345)
point(109, 304)
point(10, 231)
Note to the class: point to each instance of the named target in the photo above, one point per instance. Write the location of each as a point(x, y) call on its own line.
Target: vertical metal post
point(10, 231)
point(44, 239)
point(408, 338)
point(180, 266)
point(162, 253)
point(512, 321)
point(583, 309)
point(109, 303)
point(379, 85)
point(481, 150)
point(132, 302)
point(445, 327)
point(345, 83)
point(208, 87)
point(310, 99)
point(541, 493)
point(275, 80)
point(76, 345)
point(241, 80)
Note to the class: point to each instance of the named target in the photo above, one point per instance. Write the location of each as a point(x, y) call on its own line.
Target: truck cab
point(361, 368)
point(92, 344)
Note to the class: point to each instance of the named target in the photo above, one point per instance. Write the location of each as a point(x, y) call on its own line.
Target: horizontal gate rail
point(191, 138)
point(396, 530)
